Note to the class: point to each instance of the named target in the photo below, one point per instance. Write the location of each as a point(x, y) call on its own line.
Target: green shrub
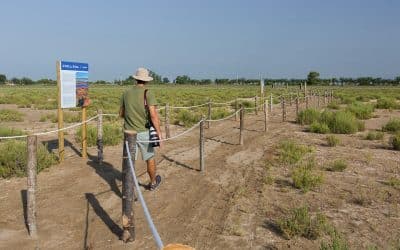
point(393, 182)
point(13, 158)
point(304, 177)
point(337, 166)
point(392, 126)
point(385, 103)
point(360, 110)
point(332, 140)
point(70, 117)
point(308, 116)
point(301, 223)
point(395, 141)
point(291, 152)
point(374, 135)
point(187, 118)
point(320, 128)
point(337, 242)
point(344, 123)
point(4, 131)
point(333, 105)
point(9, 115)
point(45, 117)
point(112, 135)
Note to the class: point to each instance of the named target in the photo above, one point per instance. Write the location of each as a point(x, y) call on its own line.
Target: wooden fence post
point(167, 133)
point(202, 144)
point(291, 99)
point(241, 125)
point(271, 104)
point(209, 113)
point(265, 115)
point(31, 193)
point(325, 97)
point(306, 99)
point(255, 105)
point(128, 215)
point(236, 109)
point(297, 105)
point(84, 133)
point(318, 97)
point(100, 155)
point(283, 109)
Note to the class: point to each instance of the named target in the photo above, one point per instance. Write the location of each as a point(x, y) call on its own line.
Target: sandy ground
point(230, 206)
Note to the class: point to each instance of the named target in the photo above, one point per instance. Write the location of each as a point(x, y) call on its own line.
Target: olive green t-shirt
point(132, 101)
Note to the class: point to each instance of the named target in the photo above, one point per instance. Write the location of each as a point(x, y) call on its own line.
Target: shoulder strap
point(145, 98)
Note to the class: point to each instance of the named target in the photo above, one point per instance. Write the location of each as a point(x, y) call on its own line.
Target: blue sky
point(203, 39)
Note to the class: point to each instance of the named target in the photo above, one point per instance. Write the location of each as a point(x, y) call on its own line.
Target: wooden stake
point(236, 109)
point(202, 144)
point(61, 152)
point(84, 132)
point(270, 105)
point(306, 97)
point(167, 133)
point(318, 97)
point(100, 155)
point(297, 105)
point(209, 113)
point(241, 125)
point(283, 109)
point(325, 97)
point(31, 194)
point(128, 223)
point(265, 115)
point(255, 105)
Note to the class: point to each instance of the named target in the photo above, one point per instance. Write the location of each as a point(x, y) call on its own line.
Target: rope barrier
point(174, 137)
point(153, 228)
point(225, 118)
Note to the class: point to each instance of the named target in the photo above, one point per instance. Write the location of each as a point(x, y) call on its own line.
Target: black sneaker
point(155, 185)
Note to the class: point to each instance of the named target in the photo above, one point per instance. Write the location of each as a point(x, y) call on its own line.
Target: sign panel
point(74, 84)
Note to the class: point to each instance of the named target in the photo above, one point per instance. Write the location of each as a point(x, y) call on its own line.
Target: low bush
point(395, 141)
point(333, 105)
point(332, 140)
point(344, 123)
point(13, 158)
point(337, 166)
point(112, 135)
point(301, 223)
point(360, 110)
point(70, 117)
point(385, 103)
point(393, 182)
point(9, 115)
point(5, 131)
point(305, 178)
point(320, 128)
point(48, 117)
point(392, 126)
point(374, 135)
point(186, 118)
point(308, 116)
point(337, 242)
point(290, 152)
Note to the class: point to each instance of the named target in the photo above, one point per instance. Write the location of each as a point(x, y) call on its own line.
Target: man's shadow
point(107, 172)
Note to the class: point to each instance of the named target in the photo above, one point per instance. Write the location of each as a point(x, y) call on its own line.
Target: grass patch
point(112, 135)
point(320, 128)
point(392, 126)
point(337, 242)
point(344, 123)
point(308, 116)
point(290, 152)
point(332, 140)
point(386, 103)
point(333, 105)
point(337, 166)
point(186, 118)
point(393, 182)
point(305, 178)
point(360, 110)
point(5, 131)
point(13, 158)
point(374, 135)
point(9, 115)
point(48, 117)
point(395, 141)
point(301, 223)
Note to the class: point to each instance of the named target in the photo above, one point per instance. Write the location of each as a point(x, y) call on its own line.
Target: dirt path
point(227, 207)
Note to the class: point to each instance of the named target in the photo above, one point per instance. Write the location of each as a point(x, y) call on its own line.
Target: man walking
point(135, 118)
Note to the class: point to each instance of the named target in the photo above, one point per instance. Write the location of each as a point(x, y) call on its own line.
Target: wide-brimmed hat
point(142, 74)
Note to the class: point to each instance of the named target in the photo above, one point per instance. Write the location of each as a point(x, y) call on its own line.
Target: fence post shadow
point(180, 164)
point(102, 214)
point(24, 200)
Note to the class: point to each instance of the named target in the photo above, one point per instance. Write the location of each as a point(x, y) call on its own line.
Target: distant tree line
point(312, 79)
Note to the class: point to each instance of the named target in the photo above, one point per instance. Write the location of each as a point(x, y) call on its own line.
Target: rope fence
point(128, 163)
